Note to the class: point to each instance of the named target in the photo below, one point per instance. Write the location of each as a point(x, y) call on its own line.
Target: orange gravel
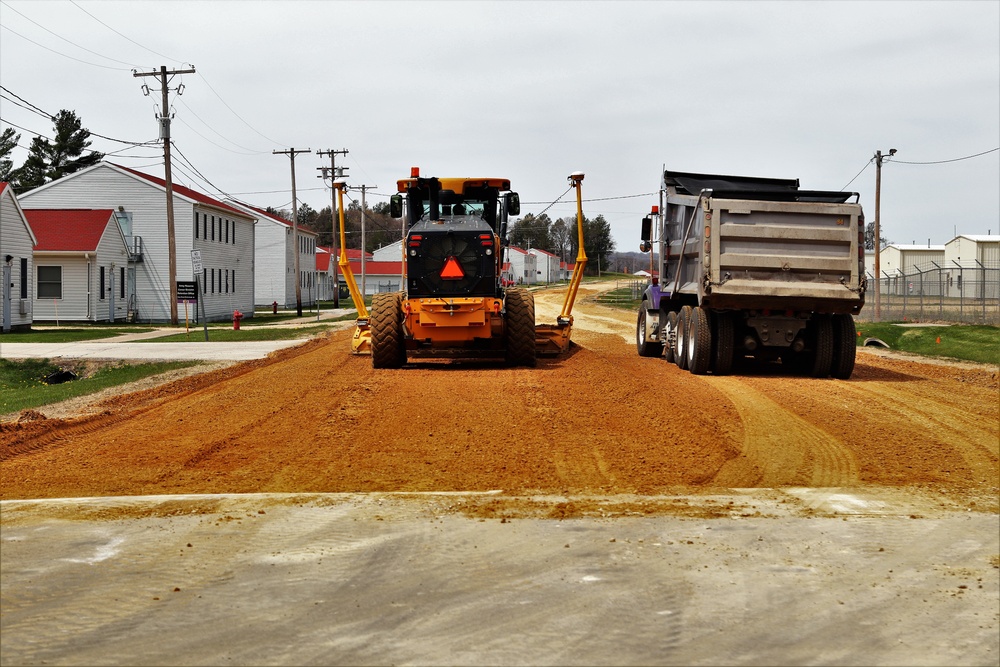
point(599, 420)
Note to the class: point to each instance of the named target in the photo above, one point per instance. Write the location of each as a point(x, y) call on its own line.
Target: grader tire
point(520, 308)
point(386, 323)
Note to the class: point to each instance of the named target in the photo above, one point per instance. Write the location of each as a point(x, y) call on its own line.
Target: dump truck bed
point(746, 243)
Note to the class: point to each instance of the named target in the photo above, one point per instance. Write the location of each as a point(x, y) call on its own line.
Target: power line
point(99, 55)
point(251, 151)
point(59, 53)
point(32, 108)
point(867, 164)
point(957, 159)
point(120, 34)
point(234, 112)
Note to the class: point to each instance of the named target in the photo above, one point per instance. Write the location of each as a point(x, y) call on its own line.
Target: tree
point(48, 161)
point(870, 237)
point(531, 232)
point(597, 243)
point(8, 141)
point(307, 215)
point(559, 235)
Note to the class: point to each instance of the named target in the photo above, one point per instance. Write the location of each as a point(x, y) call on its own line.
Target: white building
point(389, 253)
point(523, 266)
point(274, 260)
point(16, 263)
point(972, 264)
point(222, 234)
point(81, 264)
point(546, 265)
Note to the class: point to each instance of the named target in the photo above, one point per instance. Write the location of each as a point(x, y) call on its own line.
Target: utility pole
point(291, 153)
point(363, 206)
point(334, 175)
point(164, 119)
point(878, 232)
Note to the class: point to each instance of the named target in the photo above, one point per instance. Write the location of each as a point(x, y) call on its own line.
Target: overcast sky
point(533, 91)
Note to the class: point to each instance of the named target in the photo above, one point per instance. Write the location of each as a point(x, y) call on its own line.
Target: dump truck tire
point(822, 357)
point(670, 332)
point(386, 322)
point(520, 308)
point(845, 346)
point(683, 338)
point(723, 342)
point(645, 347)
point(700, 348)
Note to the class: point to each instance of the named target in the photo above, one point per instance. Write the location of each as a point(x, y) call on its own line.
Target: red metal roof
point(181, 190)
point(68, 230)
point(377, 268)
point(3, 186)
point(322, 261)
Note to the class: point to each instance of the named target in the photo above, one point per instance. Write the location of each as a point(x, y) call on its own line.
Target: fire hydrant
point(237, 316)
point(274, 307)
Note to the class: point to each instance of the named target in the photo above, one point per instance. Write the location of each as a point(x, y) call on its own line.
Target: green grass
point(227, 335)
point(22, 386)
point(66, 335)
point(966, 342)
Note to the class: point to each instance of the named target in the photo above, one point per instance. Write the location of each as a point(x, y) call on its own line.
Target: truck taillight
point(486, 240)
point(415, 241)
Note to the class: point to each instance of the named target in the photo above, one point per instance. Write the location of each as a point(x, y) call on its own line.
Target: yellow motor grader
point(454, 300)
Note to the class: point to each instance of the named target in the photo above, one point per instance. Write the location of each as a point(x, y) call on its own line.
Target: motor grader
point(454, 300)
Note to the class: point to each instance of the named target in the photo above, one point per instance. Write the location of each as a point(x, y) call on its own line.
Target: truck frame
point(752, 267)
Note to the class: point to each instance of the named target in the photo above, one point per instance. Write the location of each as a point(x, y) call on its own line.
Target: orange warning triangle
point(452, 270)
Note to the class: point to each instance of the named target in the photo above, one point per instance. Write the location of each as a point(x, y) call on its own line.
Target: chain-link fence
point(968, 293)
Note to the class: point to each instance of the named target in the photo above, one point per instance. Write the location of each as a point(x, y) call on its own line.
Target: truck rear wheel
point(845, 346)
point(520, 308)
point(670, 337)
point(644, 346)
point(683, 338)
point(700, 346)
point(822, 346)
point(386, 322)
point(723, 341)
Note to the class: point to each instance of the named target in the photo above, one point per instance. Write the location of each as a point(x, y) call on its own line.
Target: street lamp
point(878, 233)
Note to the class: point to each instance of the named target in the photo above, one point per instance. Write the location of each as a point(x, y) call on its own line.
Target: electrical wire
point(230, 150)
point(251, 151)
point(31, 107)
point(59, 53)
point(202, 75)
point(99, 55)
point(957, 159)
point(120, 34)
point(867, 164)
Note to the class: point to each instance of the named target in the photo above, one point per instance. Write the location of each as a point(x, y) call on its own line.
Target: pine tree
point(48, 161)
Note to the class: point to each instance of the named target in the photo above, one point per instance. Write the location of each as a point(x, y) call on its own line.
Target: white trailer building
point(222, 234)
point(16, 263)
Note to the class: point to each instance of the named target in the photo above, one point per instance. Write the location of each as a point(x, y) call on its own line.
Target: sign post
point(196, 268)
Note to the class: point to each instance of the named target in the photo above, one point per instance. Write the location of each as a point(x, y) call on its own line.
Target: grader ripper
point(454, 301)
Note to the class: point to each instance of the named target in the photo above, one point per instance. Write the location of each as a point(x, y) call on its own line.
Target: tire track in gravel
point(779, 448)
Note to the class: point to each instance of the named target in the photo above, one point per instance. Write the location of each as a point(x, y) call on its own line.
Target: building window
point(213, 227)
point(101, 285)
point(234, 277)
point(227, 231)
point(234, 232)
point(24, 277)
point(121, 278)
point(49, 282)
point(227, 276)
point(196, 224)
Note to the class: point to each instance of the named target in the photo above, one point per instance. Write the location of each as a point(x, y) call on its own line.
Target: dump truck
point(454, 302)
point(752, 267)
